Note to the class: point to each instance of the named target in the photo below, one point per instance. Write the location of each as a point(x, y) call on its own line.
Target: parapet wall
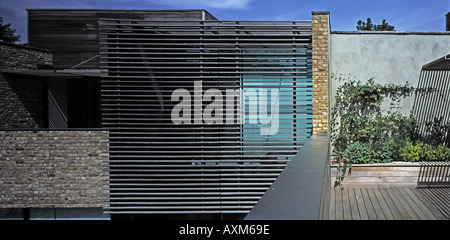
point(388, 57)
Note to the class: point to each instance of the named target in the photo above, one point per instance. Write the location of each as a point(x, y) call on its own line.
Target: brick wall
point(320, 60)
point(58, 169)
point(23, 98)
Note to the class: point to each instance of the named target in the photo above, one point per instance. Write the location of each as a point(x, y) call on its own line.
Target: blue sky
point(405, 15)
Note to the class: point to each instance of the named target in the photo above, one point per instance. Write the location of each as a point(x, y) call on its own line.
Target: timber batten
point(157, 167)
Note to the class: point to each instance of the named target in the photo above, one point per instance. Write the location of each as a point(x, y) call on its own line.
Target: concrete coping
point(320, 12)
point(300, 191)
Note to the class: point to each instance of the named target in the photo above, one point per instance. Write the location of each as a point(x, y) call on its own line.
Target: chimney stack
point(447, 22)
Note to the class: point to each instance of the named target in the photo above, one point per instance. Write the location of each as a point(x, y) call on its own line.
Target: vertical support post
point(320, 71)
point(26, 214)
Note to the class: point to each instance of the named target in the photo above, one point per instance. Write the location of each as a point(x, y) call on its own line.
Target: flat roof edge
point(117, 9)
point(25, 47)
point(59, 72)
point(120, 10)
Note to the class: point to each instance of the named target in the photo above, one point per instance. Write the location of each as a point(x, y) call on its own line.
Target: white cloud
point(219, 4)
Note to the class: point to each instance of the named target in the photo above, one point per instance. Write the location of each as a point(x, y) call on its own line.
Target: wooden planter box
point(395, 174)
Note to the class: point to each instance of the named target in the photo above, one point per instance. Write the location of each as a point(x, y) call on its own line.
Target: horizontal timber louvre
point(159, 167)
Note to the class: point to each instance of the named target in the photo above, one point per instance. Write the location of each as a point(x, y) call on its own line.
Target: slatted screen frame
point(157, 167)
point(434, 101)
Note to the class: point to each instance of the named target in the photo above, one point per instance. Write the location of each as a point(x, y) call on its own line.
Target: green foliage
point(357, 116)
point(361, 153)
point(439, 153)
point(437, 132)
point(362, 133)
point(363, 26)
point(7, 34)
point(380, 130)
point(412, 152)
point(424, 152)
point(384, 26)
point(369, 26)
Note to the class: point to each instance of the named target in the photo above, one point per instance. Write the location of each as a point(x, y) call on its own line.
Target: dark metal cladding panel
point(72, 34)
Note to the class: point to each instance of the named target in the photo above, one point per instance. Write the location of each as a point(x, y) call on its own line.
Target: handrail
point(302, 190)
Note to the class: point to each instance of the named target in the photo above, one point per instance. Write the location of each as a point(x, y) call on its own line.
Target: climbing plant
point(360, 131)
point(357, 115)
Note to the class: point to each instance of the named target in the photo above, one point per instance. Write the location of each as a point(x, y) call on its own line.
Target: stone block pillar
point(320, 60)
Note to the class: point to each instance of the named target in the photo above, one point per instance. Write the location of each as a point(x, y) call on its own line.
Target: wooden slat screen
point(433, 101)
point(159, 167)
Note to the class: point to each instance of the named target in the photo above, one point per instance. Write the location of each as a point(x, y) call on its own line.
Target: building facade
point(166, 114)
point(243, 90)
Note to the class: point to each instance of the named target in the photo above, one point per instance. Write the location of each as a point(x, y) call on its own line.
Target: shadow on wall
point(24, 101)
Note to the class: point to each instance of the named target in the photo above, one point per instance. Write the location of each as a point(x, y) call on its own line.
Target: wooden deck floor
point(387, 204)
